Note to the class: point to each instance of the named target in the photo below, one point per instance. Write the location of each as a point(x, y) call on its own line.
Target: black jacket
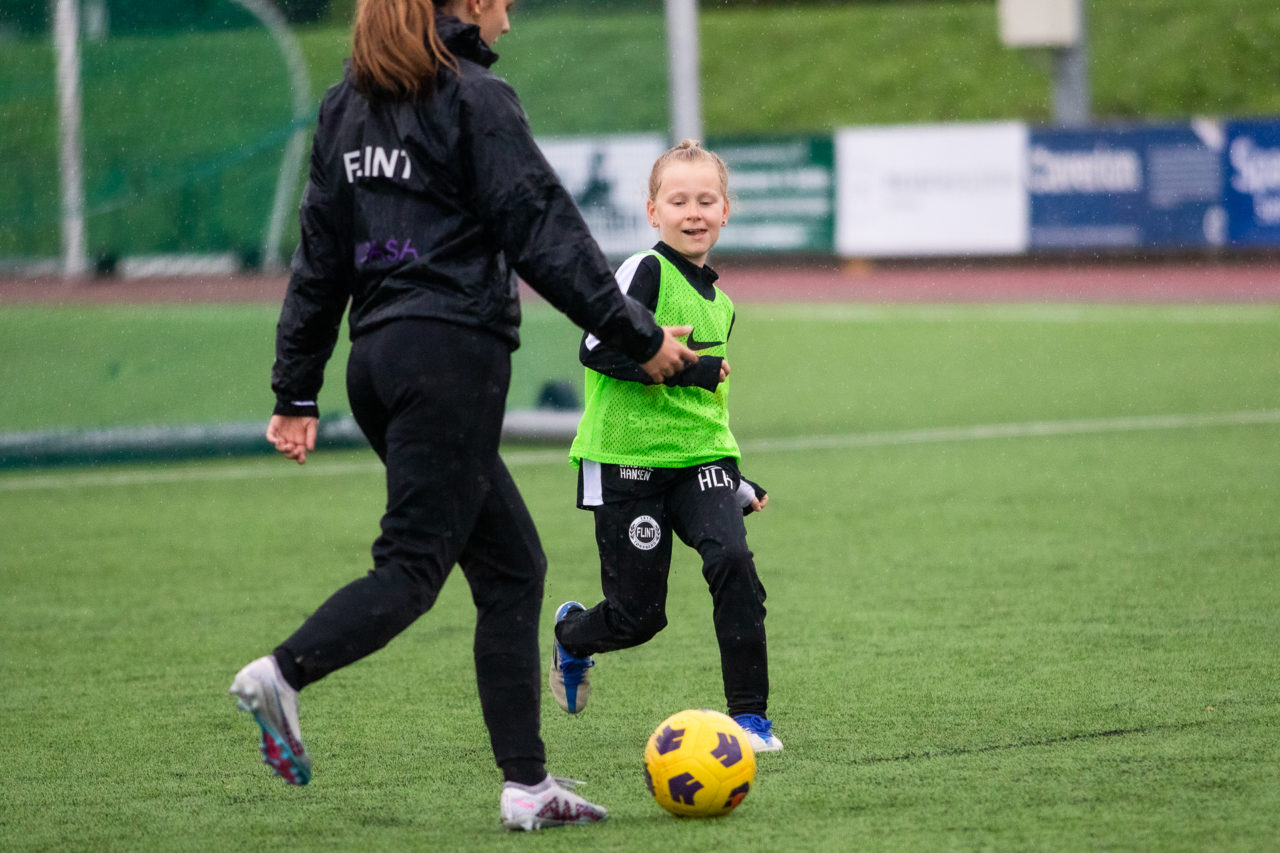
point(429, 209)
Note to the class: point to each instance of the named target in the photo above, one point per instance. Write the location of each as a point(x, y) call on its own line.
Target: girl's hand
point(724, 369)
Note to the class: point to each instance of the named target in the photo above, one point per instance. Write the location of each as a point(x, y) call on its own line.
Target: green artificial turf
point(1057, 635)
point(83, 367)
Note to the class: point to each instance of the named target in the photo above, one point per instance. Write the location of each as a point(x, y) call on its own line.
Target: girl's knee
point(729, 559)
point(642, 625)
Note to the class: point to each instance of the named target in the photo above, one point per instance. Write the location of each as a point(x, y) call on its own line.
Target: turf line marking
point(186, 474)
point(934, 435)
point(1018, 313)
point(1033, 429)
point(1031, 744)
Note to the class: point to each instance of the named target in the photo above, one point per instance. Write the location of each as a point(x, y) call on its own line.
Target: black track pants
point(634, 539)
point(430, 397)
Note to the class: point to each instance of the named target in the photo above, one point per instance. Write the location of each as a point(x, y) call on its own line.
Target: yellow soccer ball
point(699, 764)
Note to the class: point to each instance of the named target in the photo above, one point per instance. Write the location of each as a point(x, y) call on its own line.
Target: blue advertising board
point(1153, 186)
point(1251, 182)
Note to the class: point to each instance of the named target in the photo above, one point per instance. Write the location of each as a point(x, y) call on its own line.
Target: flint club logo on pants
point(645, 533)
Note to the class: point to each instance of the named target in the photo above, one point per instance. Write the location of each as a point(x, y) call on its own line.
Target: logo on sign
point(1256, 173)
point(1102, 170)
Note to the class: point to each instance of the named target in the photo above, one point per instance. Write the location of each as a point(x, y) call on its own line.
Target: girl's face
point(689, 208)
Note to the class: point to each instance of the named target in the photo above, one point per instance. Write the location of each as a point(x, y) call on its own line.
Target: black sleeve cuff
point(655, 344)
point(703, 373)
point(297, 409)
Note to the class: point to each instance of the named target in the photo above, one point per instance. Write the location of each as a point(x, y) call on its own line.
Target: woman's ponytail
point(395, 49)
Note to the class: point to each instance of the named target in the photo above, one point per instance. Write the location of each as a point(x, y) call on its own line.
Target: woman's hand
point(672, 356)
point(293, 436)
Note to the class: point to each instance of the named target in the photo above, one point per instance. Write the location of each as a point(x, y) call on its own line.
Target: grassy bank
point(819, 67)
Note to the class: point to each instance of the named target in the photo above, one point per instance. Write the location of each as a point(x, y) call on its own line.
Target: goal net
point(187, 112)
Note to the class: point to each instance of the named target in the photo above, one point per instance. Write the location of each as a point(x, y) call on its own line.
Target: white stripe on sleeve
point(624, 275)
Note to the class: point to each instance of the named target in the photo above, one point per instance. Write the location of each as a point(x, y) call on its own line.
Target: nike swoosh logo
point(695, 344)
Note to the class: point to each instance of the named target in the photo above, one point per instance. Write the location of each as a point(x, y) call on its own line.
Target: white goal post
point(66, 37)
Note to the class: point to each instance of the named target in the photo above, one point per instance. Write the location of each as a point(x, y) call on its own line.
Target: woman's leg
point(505, 566)
point(429, 396)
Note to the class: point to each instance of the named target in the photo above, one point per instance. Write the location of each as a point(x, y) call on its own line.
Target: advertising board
point(919, 190)
point(1251, 182)
point(1126, 188)
point(608, 177)
point(782, 195)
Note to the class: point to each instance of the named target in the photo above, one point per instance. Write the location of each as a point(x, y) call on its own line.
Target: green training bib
point(630, 423)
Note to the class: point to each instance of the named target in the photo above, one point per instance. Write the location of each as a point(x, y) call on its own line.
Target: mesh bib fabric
point(629, 423)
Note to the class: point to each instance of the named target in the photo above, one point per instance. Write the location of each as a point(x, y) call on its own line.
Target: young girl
point(658, 459)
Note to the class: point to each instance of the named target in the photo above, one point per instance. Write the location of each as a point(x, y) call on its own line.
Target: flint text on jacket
point(374, 161)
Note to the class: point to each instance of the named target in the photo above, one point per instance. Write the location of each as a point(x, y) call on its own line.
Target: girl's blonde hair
point(688, 151)
point(395, 49)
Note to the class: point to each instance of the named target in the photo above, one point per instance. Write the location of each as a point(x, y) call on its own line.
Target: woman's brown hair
point(395, 49)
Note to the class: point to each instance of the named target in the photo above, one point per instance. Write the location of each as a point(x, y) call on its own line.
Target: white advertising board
point(608, 177)
point(915, 190)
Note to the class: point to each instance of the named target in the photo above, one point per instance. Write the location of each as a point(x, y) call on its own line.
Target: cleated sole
point(277, 755)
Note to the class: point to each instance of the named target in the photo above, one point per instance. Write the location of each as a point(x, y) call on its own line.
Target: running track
point(1185, 282)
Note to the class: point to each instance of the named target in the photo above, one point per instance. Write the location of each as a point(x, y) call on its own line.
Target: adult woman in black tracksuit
point(426, 196)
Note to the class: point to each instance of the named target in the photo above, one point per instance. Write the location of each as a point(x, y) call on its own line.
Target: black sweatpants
point(430, 396)
point(633, 534)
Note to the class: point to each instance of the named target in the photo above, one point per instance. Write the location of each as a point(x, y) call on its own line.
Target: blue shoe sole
point(570, 688)
point(277, 755)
